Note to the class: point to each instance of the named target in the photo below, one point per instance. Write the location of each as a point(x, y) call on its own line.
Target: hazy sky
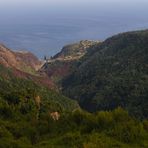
point(69, 2)
point(13, 11)
point(24, 4)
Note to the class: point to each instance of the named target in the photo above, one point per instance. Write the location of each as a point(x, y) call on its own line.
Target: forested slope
point(114, 73)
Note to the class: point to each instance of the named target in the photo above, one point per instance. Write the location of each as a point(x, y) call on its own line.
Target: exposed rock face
point(24, 61)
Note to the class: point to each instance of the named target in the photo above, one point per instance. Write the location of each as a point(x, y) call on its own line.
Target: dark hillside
point(114, 73)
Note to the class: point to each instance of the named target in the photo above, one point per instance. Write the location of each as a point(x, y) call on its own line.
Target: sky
point(23, 11)
point(70, 2)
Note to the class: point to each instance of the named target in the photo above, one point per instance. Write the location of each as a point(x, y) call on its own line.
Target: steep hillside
point(57, 70)
point(29, 59)
point(115, 73)
point(18, 81)
point(64, 62)
point(24, 61)
point(17, 89)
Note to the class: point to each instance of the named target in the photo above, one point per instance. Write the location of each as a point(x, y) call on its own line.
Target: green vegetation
point(76, 130)
point(112, 76)
point(24, 123)
point(21, 92)
point(113, 73)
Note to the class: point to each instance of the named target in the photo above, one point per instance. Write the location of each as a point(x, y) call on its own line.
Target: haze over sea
point(44, 27)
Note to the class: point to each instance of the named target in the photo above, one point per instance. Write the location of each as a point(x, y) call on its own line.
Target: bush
point(12, 98)
point(6, 111)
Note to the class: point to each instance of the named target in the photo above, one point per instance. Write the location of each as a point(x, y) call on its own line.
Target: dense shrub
point(74, 129)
